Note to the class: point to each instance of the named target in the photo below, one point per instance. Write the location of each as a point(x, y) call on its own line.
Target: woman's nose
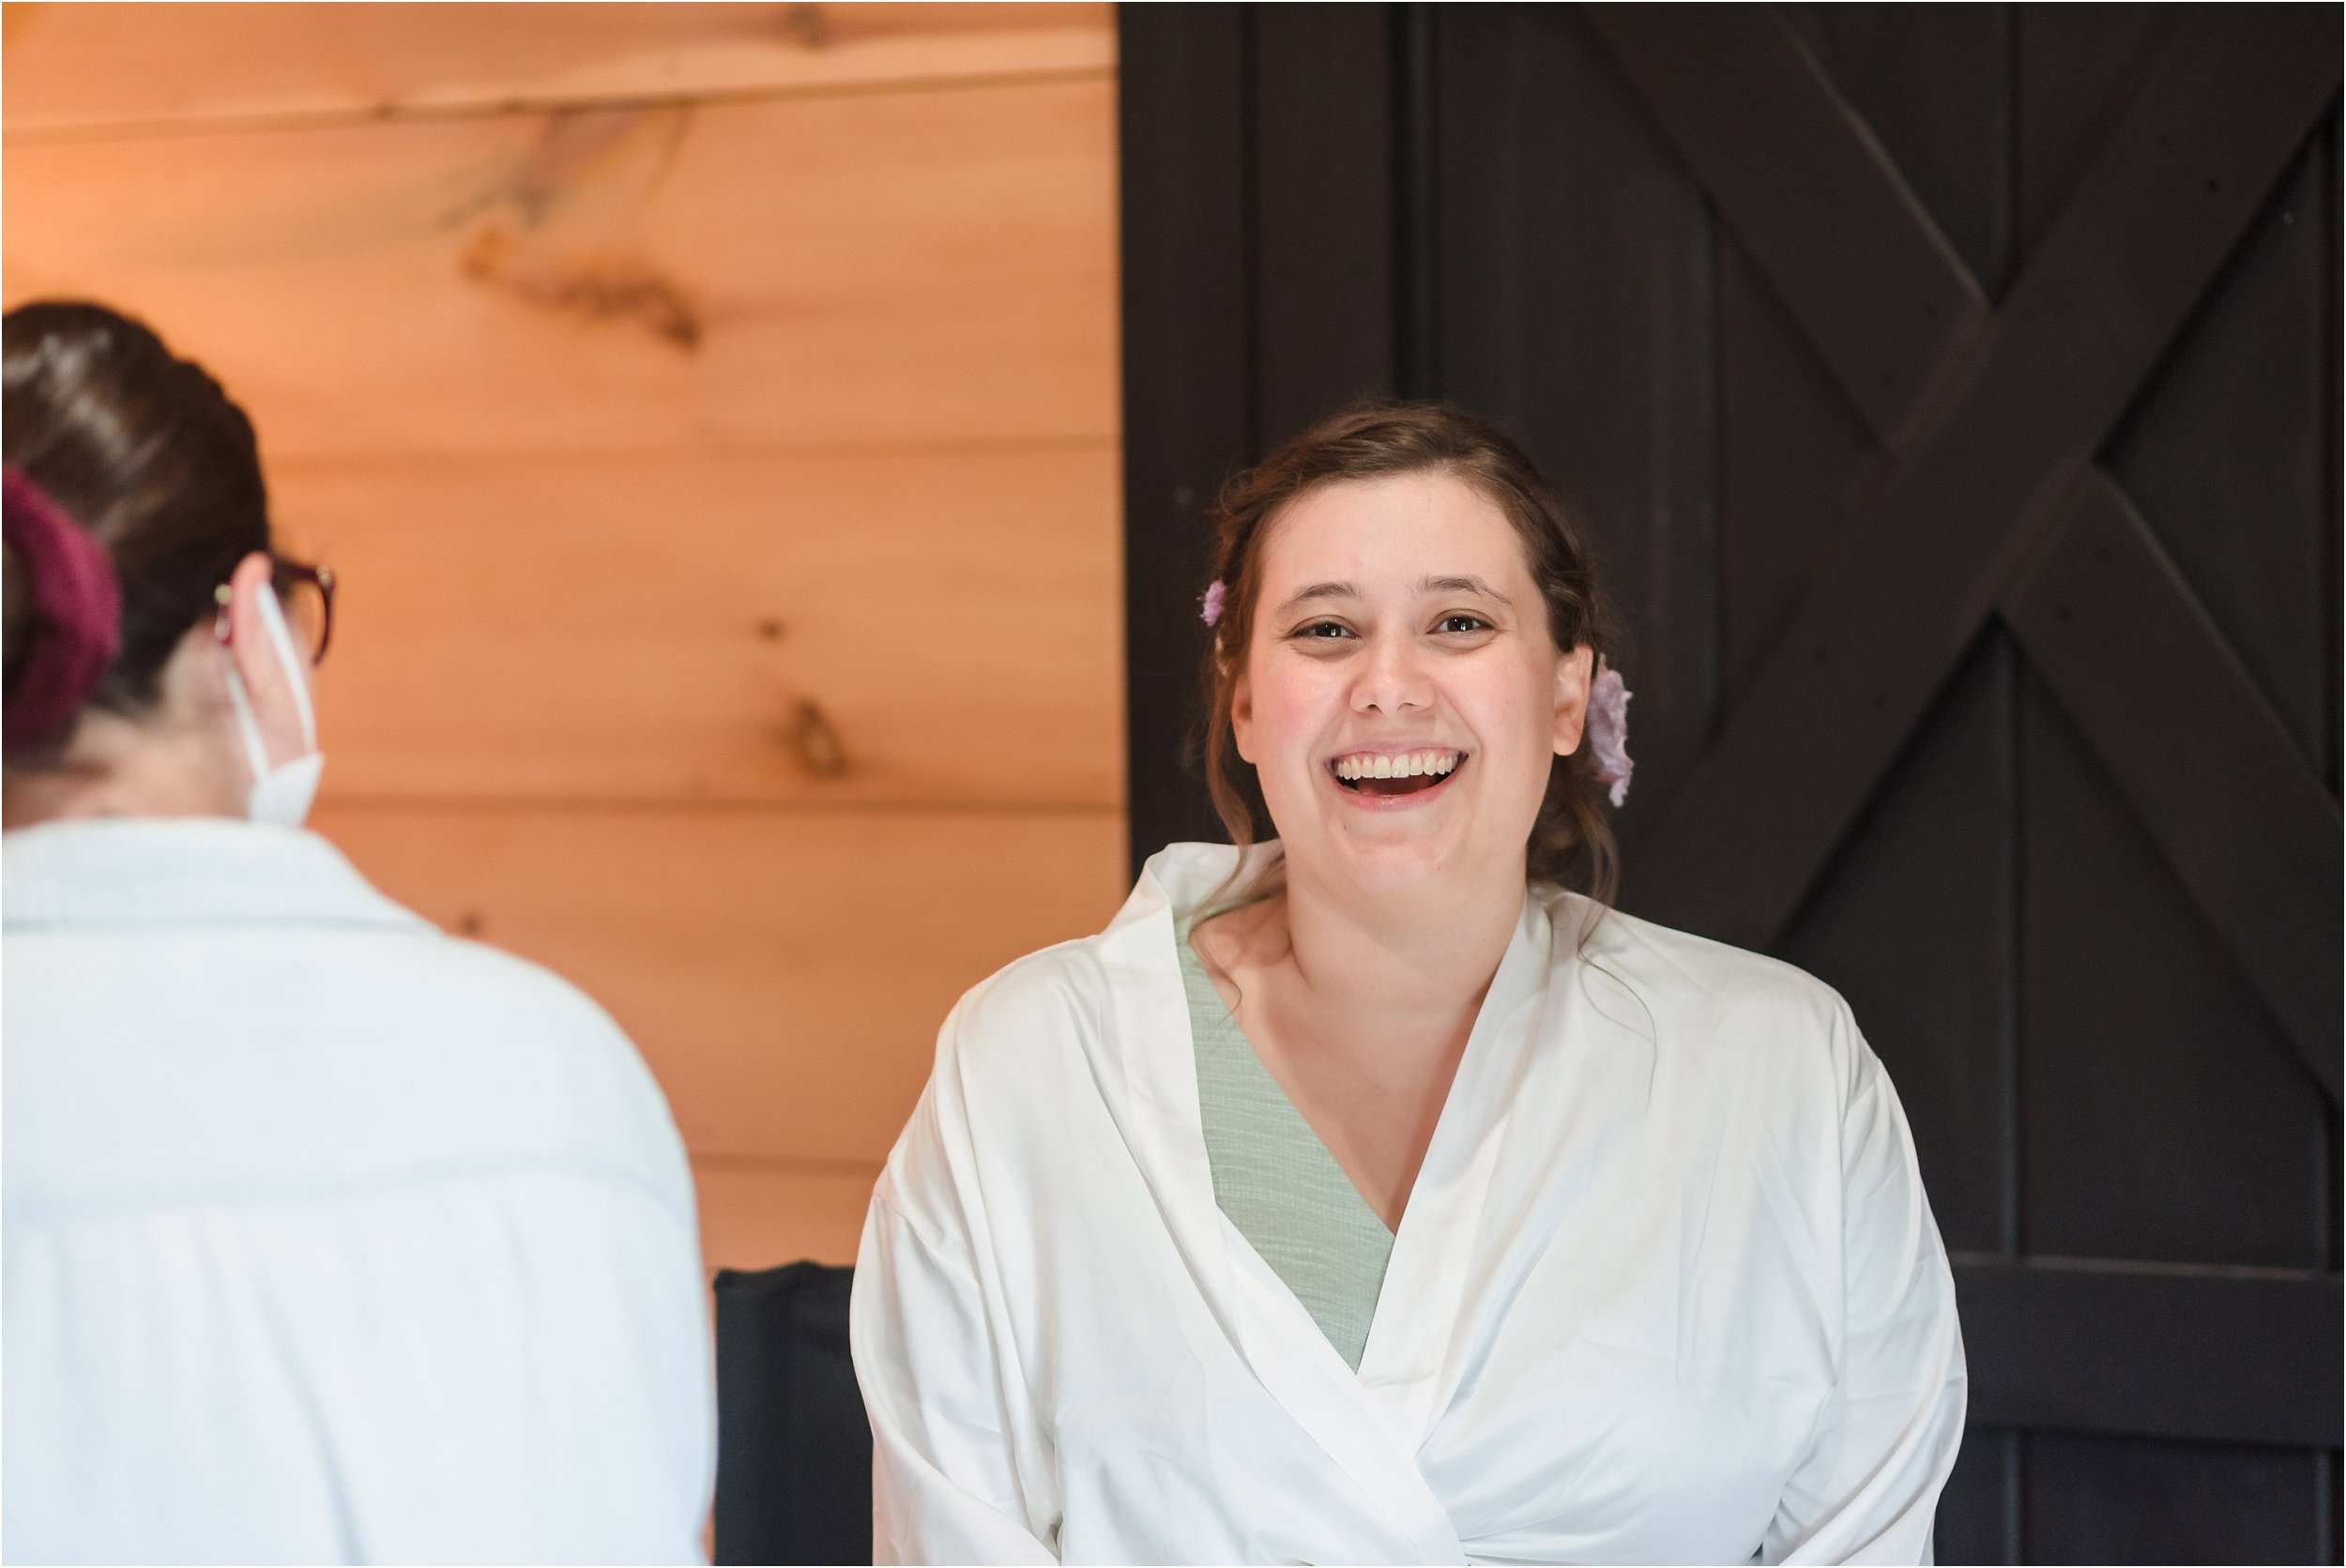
point(1392, 678)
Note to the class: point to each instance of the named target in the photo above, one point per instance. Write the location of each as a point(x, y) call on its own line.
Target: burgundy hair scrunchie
point(77, 614)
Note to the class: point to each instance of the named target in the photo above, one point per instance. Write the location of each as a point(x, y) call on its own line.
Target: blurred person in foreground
point(327, 1237)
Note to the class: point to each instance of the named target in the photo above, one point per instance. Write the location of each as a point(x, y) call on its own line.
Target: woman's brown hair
point(145, 451)
point(1573, 838)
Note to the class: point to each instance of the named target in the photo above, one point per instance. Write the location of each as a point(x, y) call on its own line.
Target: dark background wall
point(1955, 394)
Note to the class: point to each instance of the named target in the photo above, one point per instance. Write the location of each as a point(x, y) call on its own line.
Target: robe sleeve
point(945, 1486)
point(1867, 1486)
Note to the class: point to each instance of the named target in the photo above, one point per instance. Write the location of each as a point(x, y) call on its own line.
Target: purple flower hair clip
point(1209, 607)
point(1608, 730)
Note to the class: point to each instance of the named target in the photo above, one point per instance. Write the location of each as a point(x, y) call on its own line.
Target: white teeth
point(1408, 765)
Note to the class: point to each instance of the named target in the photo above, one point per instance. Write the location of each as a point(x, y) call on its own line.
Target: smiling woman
point(1405, 465)
point(1365, 1195)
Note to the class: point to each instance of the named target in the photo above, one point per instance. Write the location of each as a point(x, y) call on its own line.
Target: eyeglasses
point(308, 593)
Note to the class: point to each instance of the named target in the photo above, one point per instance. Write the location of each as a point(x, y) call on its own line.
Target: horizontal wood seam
point(773, 1164)
point(689, 805)
point(2072, 1263)
point(407, 460)
point(2204, 1354)
point(522, 106)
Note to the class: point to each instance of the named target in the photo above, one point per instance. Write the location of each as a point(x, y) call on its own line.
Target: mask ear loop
point(248, 725)
point(273, 617)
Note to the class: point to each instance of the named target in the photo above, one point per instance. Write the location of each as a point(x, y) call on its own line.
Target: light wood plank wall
point(712, 410)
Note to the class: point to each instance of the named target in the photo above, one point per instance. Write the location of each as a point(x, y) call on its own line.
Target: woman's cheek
point(1516, 730)
point(1287, 708)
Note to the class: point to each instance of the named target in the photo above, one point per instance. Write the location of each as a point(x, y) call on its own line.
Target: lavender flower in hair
point(1209, 607)
point(1608, 730)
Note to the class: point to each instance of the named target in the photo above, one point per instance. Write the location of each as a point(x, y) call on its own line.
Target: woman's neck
point(1402, 974)
point(1418, 962)
point(123, 768)
point(1361, 1007)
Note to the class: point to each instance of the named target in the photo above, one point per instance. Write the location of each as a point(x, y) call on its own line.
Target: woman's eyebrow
point(1319, 590)
point(1461, 585)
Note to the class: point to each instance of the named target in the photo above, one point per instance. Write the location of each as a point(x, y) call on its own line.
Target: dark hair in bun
point(146, 452)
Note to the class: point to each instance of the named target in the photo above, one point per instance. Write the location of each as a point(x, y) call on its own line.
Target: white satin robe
point(1666, 1288)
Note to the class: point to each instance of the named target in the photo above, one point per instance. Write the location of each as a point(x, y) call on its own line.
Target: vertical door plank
point(1792, 451)
point(1914, 923)
point(2225, 451)
point(1574, 288)
point(1322, 189)
point(2075, 70)
point(1933, 85)
point(2164, 1116)
point(2329, 159)
point(1979, 1511)
point(1183, 120)
point(1180, 111)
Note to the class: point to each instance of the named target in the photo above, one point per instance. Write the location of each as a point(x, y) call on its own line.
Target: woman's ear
point(254, 654)
point(1574, 671)
point(1242, 715)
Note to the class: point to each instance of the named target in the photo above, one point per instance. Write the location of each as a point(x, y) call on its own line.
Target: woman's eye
point(1325, 629)
point(1462, 623)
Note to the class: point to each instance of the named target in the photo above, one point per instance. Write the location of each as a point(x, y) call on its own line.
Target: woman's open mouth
point(1394, 773)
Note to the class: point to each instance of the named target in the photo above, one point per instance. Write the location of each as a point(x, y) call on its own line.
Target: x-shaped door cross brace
point(1992, 501)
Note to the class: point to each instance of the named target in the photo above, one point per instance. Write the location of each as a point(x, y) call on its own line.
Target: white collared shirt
point(1666, 1290)
point(327, 1237)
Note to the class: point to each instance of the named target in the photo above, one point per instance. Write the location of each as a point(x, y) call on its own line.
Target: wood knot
point(817, 743)
point(593, 289)
point(809, 24)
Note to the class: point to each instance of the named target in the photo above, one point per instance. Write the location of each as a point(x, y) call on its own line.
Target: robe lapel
point(1256, 1312)
point(1420, 1335)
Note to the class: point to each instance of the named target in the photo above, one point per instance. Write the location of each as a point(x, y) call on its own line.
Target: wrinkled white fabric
point(1666, 1288)
point(327, 1237)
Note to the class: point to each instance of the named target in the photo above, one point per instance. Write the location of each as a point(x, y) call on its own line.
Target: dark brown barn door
point(1955, 392)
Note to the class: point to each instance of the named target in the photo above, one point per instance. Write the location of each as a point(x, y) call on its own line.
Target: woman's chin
point(1396, 854)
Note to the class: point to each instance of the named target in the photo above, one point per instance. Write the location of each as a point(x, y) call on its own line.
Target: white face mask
point(279, 794)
